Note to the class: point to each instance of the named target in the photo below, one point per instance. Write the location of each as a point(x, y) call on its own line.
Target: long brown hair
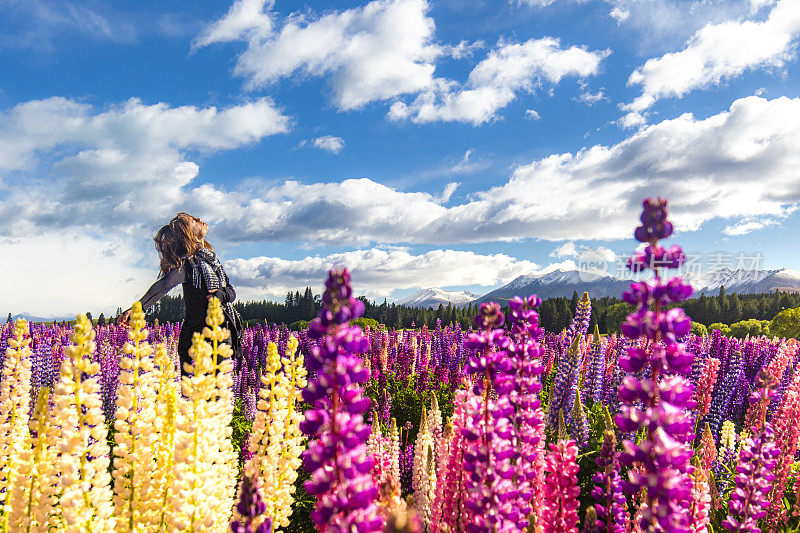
point(176, 241)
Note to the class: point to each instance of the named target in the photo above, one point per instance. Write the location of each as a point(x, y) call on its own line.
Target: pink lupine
point(561, 491)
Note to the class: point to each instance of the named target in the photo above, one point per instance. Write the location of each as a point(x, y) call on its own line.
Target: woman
point(187, 258)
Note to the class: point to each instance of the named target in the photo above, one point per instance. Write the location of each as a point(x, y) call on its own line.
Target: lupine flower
point(14, 397)
point(705, 386)
point(251, 508)
point(749, 500)
point(336, 455)
point(203, 460)
point(33, 497)
point(560, 505)
point(610, 508)
point(164, 426)
point(565, 383)
point(85, 500)
point(133, 463)
point(657, 405)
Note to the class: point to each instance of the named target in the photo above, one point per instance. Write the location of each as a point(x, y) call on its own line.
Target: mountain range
point(433, 297)
point(557, 283)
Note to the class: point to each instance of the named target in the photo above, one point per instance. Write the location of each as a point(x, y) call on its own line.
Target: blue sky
point(438, 143)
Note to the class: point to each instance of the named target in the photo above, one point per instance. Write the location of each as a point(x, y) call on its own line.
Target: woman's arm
point(161, 287)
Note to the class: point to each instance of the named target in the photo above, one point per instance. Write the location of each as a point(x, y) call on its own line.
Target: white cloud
point(128, 164)
point(631, 120)
point(532, 114)
point(570, 249)
point(245, 17)
point(748, 225)
point(534, 3)
point(739, 163)
point(620, 14)
point(718, 52)
point(495, 81)
point(567, 249)
point(589, 98)
point(377, 272)
point(378, 51)
point(329, 143)
point(69, 271)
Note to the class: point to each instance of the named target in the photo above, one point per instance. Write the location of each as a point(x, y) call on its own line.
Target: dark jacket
point(196, 309)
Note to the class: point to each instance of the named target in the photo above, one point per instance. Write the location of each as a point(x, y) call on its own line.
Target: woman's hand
point(210, 294)
point(122, 320)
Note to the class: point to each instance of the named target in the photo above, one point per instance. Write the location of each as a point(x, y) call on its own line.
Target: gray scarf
point(206, 269)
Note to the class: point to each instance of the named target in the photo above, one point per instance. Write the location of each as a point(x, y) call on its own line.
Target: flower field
point(501, 427)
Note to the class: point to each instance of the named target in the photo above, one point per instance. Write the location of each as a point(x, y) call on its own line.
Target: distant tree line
point(555, 313)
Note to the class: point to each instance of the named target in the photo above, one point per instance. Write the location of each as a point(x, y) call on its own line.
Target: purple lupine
point(488, 430)
point(528, 419)
point(250, 507)
point(337, 454)
point(595, 375)
point(610, 508)
point(749, 500)
point(663, 453)
point(580, 322)
point(723, 393)
point(565, 383)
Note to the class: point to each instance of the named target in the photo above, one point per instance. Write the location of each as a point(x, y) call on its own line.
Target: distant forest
point(555, 313)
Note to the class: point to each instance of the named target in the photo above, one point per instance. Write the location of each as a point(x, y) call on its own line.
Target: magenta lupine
point(447, 508)
point(610, 508)
point(655, 403)
point(490, 451)
point(749, 500)
point(528, 418)
point(337, 455)
point(560, 495)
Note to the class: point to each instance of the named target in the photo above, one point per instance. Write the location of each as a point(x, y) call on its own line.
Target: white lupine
point(33, 497)
point(424, 472)
point(85, 499)
point(394, 450)
point(165, 430)
point(281, 496)
point(423, 438)
point(727, 436)
point(225, 465)
point(192, 506)
point(14, 402)
point(435, 428)
point(134, 458)
point(275, 438)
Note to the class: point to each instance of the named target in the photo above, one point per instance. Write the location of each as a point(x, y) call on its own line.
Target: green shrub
point(699, 329)
point(300, 325)
point(723, 328)
point(364, 322)
point(786, 324)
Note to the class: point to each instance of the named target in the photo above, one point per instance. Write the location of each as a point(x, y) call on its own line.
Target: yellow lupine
point(134, 464)
point(275, 438)
point(165, 430)
point(281, 497)
point(85, 500)
point(201, 495)
point(33, 498)
point(14, 397)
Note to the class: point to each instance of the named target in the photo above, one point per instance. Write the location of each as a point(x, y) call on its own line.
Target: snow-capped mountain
point(564, 282)
point(434, 297)
point(557, 283)
point(33, 318)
